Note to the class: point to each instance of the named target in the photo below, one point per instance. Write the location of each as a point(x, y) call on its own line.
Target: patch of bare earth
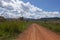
point(37, 32)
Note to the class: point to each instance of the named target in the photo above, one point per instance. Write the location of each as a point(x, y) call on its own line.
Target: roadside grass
point(10, 29)
point(54, 26)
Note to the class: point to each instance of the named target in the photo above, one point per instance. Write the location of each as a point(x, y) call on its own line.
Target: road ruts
point(37, 32)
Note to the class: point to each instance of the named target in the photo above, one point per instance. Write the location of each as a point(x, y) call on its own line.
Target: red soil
point(37, 32)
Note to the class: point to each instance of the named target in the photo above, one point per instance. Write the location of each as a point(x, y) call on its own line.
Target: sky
point(34, 9)
point(48, 5)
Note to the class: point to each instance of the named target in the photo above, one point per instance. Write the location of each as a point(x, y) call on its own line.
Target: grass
point(54, 26)
point(10, 29)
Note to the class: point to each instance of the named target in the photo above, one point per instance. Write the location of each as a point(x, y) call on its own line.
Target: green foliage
point(9, 29)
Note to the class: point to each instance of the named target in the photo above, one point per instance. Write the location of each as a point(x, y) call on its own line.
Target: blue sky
point(47, 5)
point(30, 8)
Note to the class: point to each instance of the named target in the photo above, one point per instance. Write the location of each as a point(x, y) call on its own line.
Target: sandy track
point(36, 32)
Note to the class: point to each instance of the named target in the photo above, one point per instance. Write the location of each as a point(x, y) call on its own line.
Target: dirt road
point(37, 32)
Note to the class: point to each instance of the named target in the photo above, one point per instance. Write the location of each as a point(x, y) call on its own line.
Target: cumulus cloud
point(17, 8)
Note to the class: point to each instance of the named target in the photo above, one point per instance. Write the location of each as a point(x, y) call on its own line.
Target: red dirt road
point(36, 32)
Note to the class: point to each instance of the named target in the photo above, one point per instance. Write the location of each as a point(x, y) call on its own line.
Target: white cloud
point(16, 8)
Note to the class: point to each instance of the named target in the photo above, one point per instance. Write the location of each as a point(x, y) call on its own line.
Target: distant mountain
point(2, 19)
point(53, 18)
point(30, 19)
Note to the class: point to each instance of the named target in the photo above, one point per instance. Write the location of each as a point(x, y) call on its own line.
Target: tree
point(21, 18)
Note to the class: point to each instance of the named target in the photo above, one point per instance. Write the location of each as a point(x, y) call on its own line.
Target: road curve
point(37, 32)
